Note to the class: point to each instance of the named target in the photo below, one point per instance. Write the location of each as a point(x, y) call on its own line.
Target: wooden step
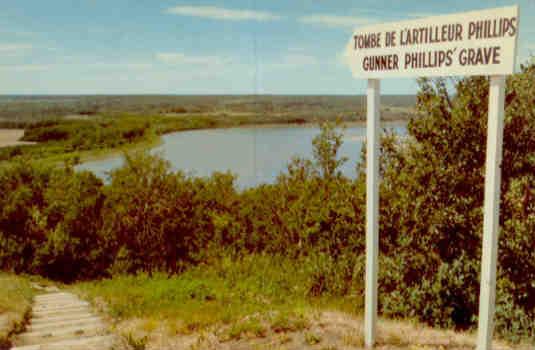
point(104, 342)
point(56, 307)
point(61, 318)
point(63, 333)
point(60, 312)
point(64, 323)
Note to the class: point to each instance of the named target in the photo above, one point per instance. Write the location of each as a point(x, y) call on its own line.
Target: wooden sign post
point(372, 209)
point(469, 43)
point(491, 219)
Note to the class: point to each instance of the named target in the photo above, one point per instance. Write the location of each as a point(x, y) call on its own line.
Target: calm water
point(255, 155)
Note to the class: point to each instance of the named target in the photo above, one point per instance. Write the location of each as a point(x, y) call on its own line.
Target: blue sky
point(202, 47)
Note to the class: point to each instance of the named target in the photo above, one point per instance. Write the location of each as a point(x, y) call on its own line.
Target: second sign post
point(470, 43)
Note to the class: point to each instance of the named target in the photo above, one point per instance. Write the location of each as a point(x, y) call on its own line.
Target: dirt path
point(11, 137)
point(60, 320)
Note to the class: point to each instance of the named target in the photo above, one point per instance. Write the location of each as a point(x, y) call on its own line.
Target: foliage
point(159, 220)
point(49, 221)
point(431, 213)
point(61, 138)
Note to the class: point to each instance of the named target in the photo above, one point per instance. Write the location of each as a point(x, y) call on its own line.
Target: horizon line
point(159, 94)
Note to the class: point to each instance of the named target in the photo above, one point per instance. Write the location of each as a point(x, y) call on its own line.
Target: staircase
point(60, 320)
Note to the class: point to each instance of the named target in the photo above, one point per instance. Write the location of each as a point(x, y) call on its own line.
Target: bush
point(159, 220)
point(432, 198)
point(79, 135)
point(49, 221)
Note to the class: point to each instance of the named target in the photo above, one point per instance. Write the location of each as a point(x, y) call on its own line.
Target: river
point(255, 154)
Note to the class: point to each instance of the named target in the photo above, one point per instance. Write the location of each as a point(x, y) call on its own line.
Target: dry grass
point(323, 330)
point(15, 302)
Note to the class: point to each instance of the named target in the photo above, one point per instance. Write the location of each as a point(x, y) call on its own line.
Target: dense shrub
point(311, 207)
point(150, 218)
point(79, 135)
point(432, 198)
point(159, 220)
point(50, 220)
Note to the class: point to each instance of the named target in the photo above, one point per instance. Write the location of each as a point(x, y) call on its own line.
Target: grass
point(312, 338)
point(136, 343)
point(222, 294)
point(234, 300)
point(255, 302)
point(289, 322)
point(243, 299)
point(249, 328)
point(15, 302)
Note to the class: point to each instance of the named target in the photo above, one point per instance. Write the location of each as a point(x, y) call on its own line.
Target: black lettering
point(378, 63)
point(462, 57)
point(496, 55)
point(367, 41)
point(459, 32)
point(449, 58)
point(513, 27)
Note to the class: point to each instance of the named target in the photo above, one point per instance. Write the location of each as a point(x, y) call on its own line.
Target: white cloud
point(291, 60)
point(78, 66)
point(222, 13)
point(180, 58)
point(14, 48)
point(298, 59)
point(16, 33)
point(120, 65)
point(25, 67)
point(335, 21)
point(421, 14)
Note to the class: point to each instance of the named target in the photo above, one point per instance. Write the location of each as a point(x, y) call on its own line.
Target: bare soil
point(11, 137)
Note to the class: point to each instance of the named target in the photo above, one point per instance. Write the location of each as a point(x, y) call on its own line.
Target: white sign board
point(469, 43)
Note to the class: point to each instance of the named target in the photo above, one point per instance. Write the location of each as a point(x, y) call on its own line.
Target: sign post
point(491, 219)
point(471, 43)
point(372, 209)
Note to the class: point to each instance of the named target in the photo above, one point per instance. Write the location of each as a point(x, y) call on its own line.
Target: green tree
point(156, 219)
point(49, 220)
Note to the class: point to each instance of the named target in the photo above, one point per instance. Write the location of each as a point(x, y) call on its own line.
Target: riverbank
point(346, 124)
point(103, 137)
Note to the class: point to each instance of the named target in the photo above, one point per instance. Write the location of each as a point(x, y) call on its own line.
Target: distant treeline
point(36, 108)
point(68, 225)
